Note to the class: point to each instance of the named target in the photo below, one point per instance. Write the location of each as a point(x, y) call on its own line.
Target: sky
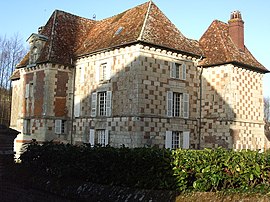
point(192, 18)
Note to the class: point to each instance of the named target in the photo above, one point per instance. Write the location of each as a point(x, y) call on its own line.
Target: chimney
point(40, 29)
point(236, 30)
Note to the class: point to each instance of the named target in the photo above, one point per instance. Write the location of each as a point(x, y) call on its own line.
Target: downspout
point(73, 101)
point(200, 109)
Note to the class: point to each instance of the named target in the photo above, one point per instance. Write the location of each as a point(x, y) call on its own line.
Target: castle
point(134, 79)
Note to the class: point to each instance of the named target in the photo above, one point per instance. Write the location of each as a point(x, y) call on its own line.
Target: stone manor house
point(134, 79)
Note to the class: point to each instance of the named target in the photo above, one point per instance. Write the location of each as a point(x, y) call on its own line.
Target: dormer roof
point(35, 36)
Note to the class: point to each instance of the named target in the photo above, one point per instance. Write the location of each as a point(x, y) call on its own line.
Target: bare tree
point(266, 109)
point(11, 52)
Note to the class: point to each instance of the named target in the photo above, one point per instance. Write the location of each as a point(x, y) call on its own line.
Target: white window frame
point(102, 99)
point(177, 139)
point(27, 90)
point(27, 126)
point(99, 136)
point(177, 104)
point(77, 106)
point(34, 54)
point(185, 105)
point(101, 104)
point(178, 70)
point(103, 70)
point(60, 126)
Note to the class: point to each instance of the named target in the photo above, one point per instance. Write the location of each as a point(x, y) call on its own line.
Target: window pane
point(177, 71)
point(175, 139)
point(102, 72)
point(176, 104)
point(102, 103)
point(101, 137)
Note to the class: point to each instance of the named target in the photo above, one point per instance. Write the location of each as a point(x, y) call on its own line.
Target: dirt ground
point(218, 197)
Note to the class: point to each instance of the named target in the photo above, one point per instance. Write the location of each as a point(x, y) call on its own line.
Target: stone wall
point(232, 108)
point(139, 79)
point(139, 82)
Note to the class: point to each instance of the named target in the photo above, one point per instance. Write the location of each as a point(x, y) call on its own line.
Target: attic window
point(35, 54)
point(120, 29)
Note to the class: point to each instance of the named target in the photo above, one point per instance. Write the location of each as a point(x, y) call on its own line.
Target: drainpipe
point(200, 107)
point(72, 105)
point(200, 110)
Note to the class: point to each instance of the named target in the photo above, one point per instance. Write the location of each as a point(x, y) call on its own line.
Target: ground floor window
point(27, 126)
point(60, 126)
point(99, 136)
point(177, 139)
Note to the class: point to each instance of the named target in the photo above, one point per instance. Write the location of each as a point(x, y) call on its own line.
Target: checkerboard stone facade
point(139, 84)
point(232, 108)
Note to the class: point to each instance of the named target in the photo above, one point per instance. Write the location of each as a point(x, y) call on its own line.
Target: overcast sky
point(192, 18)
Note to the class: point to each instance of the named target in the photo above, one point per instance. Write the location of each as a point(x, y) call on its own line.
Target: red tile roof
point(15, 75)
point(219, 49)
point(71, 36)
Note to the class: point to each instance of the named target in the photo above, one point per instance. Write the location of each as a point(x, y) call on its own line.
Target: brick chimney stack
point(236, 29)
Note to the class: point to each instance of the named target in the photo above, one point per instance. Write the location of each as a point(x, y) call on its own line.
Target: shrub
point(151, 168)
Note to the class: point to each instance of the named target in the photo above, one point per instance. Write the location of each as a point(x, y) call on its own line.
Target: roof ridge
point(52, 34)
point(144, 23)
point(75, 15)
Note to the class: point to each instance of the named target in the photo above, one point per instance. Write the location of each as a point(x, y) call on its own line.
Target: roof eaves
point(257, 69)
point(173, 49)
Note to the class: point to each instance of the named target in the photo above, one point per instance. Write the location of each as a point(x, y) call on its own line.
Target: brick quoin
point(27, 79)
point(61, 94)
point(39, 93)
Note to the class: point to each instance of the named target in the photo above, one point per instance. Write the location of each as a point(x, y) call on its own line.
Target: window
point(103, 70)
point(177, 139)
point(77, 106)
point(26, 126)
point(29, 90)
point(60, 126)
point(177, 104)
point(101, 103)
point(100, 136)
point(178, 71)
point(35, 54)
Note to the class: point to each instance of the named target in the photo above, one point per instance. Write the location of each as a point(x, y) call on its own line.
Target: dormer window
point(36, 42)
point(34, 54)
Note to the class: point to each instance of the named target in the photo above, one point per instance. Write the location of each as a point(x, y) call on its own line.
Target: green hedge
point(140, 167)
point(151, 168)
